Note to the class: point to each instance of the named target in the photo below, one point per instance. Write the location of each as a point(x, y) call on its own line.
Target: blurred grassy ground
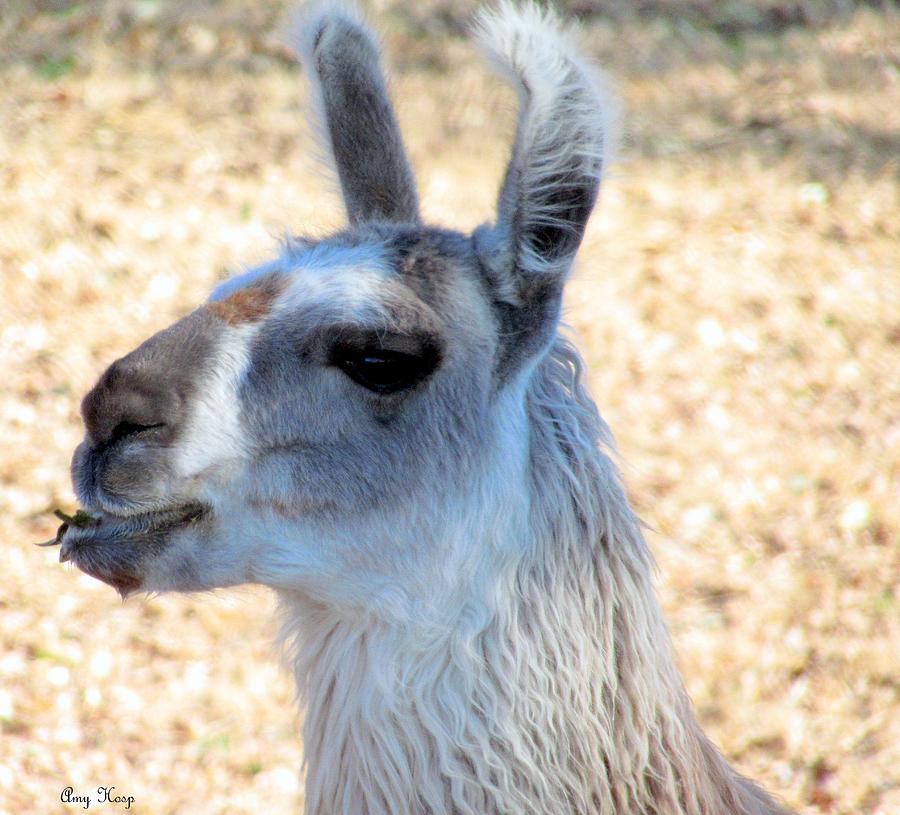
point(738, 300)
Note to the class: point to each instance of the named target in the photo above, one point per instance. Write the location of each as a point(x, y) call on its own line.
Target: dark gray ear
point(551, 184)
point(357, 120)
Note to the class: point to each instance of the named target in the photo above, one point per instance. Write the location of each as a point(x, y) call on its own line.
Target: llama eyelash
point(466, 596)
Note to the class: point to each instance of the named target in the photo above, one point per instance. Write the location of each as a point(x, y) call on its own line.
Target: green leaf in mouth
point(79, 520)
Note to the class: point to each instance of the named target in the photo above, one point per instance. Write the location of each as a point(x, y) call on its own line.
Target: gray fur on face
point(346, 449)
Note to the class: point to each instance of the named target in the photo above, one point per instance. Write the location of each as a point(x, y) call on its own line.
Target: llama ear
point(356, 119)
point(561, 146)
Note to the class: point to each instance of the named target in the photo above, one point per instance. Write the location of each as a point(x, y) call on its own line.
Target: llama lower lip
point(111, 549)
point(108, 525)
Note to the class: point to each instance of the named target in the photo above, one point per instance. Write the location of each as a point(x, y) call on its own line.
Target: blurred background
point(737, 299)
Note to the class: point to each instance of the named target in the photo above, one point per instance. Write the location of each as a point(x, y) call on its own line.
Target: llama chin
point(387, 427)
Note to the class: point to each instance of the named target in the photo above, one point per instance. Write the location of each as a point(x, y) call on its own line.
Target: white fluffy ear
point(562, 143)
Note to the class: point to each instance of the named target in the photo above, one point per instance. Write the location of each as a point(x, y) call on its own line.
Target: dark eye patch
point(384, 364)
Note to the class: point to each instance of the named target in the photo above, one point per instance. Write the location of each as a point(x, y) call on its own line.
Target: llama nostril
point(127, 403)
point(126, 429)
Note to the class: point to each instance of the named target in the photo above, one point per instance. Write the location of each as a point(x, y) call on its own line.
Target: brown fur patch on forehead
point(251, 303)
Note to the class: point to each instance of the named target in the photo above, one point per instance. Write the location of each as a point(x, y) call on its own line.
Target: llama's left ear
point(356, 118)
point(562, 143)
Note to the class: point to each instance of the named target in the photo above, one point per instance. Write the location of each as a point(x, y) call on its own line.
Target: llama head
point(348, 420)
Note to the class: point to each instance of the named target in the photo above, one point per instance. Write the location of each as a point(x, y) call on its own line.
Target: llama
point(386, 427)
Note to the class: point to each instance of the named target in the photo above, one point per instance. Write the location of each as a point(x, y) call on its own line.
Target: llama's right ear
point(562, 143)
point(356, 118)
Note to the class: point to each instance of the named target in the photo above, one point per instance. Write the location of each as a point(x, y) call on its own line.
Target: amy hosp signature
point(104, 795)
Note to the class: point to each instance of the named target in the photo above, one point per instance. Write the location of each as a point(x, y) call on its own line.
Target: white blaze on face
point(213, 436)
point(330, 284)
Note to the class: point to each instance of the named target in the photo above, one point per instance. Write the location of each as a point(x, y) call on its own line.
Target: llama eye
point(383, 371)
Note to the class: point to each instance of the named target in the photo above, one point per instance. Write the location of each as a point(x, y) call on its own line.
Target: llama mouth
point(97, 527)
point(114, 548)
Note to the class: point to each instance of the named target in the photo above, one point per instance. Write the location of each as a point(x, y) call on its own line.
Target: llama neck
point(568, 702)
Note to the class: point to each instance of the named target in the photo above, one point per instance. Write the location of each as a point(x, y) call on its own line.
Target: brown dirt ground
point(737, 298)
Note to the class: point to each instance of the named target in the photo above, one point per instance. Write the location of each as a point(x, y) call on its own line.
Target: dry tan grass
point(738, 299)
